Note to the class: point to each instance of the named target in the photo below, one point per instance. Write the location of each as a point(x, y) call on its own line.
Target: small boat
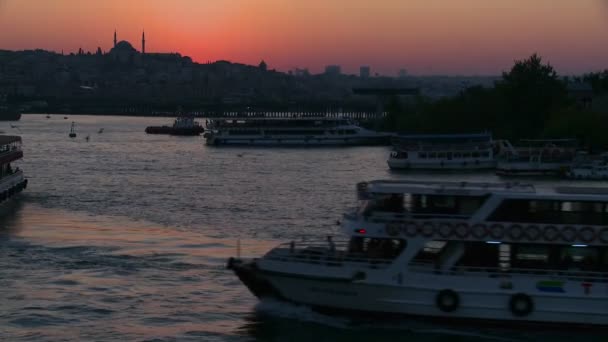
point(65, 117)
point(472, 253)
point(100, 131)
point(183, 125)
point(72, 131)
point(48, 116)
point(87, 137)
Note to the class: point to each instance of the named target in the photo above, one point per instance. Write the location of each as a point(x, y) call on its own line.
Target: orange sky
point(423, 36)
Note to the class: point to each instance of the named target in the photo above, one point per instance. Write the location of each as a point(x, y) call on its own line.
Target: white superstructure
point(542, 157)
point(457, 251)
point(292, 131)
point(443, 152)
point(589, 167)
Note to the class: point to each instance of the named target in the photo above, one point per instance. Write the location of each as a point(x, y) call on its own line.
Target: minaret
point(143, 42)
point(114, 38)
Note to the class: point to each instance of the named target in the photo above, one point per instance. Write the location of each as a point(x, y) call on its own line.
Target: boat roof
point(7, 139)
point(430, 187)
point(264, 118)
point(513, 189)
point(444, 136)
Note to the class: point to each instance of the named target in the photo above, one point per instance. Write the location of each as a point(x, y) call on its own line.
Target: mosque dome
point(124, 46)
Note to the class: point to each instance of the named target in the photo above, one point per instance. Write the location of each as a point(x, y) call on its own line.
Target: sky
point(425, 37)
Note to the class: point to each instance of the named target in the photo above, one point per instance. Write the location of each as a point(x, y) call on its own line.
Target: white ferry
point(468, 252)
point(292, 131)
point(589, 168)
point(12, 180)
point(542, 157)
point(443, 152)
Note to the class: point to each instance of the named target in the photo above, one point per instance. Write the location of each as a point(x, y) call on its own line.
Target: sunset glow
point(422, 36)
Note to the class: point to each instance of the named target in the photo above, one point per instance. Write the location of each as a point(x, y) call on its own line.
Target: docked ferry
point(589, 167)
point(540, 157)
point(292, 131)
point(453, 251)
point(12, 180)
point(443, 152)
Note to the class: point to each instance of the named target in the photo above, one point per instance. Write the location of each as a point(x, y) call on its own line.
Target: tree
point(532, 91)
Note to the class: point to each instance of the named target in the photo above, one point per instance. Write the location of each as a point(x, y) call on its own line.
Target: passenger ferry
point(443, 152)
point(589, 167)
point(540, 157)
point(291, 131)
point(12, 180)
point(468, 252)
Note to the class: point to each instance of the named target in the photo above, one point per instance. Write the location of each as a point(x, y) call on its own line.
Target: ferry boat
point(589, 167)
point(183, 125)
point(12, 180)
point(504, 253)
point(541, 157)
point(291, 131)
point(443, 152)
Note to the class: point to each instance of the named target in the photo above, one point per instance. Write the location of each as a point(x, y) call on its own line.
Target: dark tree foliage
point(530, 101)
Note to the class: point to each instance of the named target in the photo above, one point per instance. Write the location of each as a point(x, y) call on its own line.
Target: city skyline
point(472, 37)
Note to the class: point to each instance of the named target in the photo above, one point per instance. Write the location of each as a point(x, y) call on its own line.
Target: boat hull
point(414, 298)
point(213, 140)
point(174, 131)
point(404, 164)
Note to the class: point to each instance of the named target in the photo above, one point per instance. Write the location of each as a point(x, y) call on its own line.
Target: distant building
point(402, 73)
point(263, 66)
point(364, 71)
point(333, 70)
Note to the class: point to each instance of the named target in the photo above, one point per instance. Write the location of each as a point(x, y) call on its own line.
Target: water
point(125, 237)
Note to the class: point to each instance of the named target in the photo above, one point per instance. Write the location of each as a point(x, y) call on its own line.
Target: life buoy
point(533, 232)
point(497, 231)
point(427, 229)
point(445, 230)
point(516, 232)
point(461, 230)
point(550, 233)
point(479, 231)
point(447, 300)
point(392, 229)
point(603, 235)
point(568, 233)
point(411, 229)
point(521, 304)
point(586, 234)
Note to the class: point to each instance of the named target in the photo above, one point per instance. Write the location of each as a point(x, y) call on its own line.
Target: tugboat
point(490, 253)
point(12, 181)
point(183, 125)
point(72, 132)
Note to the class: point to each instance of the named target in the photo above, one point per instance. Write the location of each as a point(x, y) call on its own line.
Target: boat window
point(432, 155)
point(375, 247)
point(441, 205)
point(422, 155)
point(485, 154)
point(551, 212)
point(441, 155)
point(457, 155)
point(430, 253)
point(480, 254)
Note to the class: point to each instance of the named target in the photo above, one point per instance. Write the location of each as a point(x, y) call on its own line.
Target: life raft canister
point(521, 304)
point(447, 300)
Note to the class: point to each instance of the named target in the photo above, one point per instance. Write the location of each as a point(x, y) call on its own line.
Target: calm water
point(125, 237)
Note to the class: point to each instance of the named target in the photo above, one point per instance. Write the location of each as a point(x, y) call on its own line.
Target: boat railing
point(386, 217)
point(319, 253)
point(510, 272)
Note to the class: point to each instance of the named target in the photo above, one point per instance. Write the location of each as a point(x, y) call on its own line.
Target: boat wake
point(279, 309)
